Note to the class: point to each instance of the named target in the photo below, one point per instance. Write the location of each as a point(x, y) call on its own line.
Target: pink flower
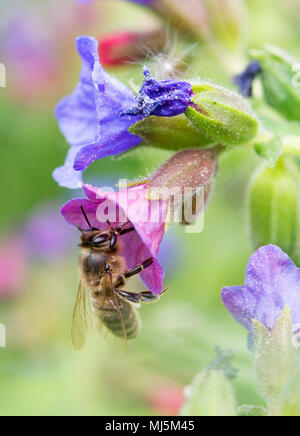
point(121, 48)
point(166, 399)
point(115, 49)
point(12, 267)
point(128, 205)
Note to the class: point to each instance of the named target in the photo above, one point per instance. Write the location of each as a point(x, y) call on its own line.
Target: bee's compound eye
point(100, 240)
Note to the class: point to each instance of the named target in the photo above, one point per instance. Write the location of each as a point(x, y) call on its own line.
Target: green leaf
point(280, 80)
point(270, 150)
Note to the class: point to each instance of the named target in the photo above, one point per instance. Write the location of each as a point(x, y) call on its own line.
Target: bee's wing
point(81, 321)
point(119, 343)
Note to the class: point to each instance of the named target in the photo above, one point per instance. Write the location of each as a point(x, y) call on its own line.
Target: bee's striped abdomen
point(122, 322)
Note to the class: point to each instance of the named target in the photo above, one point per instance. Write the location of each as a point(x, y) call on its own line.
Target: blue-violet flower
point(245, 80)
point(272, 283)
point(96, 117)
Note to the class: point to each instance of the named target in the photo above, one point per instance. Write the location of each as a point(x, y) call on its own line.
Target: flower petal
point(76, 114)
point(274, 279)
point(240, 304)
point(66, 175)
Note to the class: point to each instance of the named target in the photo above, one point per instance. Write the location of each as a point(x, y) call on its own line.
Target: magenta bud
point(186, 180)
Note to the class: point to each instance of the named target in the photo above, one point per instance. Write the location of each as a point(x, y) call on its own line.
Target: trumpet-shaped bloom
point(127, 205)
point(97, 116)
point(272, 283)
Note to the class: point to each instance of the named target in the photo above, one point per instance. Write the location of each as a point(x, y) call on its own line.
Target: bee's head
point(99, 239)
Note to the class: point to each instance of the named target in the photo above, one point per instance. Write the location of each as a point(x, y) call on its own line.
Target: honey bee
point(102, 301)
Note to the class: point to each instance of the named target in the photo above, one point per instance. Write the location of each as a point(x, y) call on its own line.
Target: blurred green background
point(40, 374)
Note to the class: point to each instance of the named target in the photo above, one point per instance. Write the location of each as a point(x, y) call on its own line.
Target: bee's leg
point(124, 231)
point(139, 268)
point(130, 296)
point(149, 297)
point(143, 297)
point(120, 282)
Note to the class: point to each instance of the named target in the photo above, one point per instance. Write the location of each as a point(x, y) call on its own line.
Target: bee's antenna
point(86, 218)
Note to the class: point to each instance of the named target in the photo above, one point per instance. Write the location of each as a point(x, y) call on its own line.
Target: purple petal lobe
point(66, 175)
point(234, 298)
point(90, 118)
point(76, 114)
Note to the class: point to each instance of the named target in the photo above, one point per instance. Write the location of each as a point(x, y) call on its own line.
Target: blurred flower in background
point(121, 48)
point(46, 234)
point(13, 266)
point(35, 41)
point(166, 398)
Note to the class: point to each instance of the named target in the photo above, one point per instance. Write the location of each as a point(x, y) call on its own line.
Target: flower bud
point(211, 393)
point(222, 114)
point(186, 180)
point(273, 208)
point(125, 47)
point(280, 80)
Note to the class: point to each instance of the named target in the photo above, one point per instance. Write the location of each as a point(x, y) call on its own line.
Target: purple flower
point(244, 81)
point(46, 235)
point(96, 117)
point(272, 283)
point(163, 99)
point(128, 205)
point(90, 117)
point(141, 2)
